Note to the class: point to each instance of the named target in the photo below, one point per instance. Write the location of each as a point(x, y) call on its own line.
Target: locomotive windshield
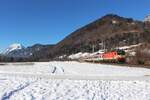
point(121, 52)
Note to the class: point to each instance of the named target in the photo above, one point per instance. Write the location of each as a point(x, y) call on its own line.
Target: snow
point(77, 68)
point(61, 57)
point(41, 89)
point(147, 18)
point(129, 47)
point(30, 68)
point(15, 46)
point(73, 81)
point(114, 22)
point(76, 56)
point(73, 68)
point(84, 54)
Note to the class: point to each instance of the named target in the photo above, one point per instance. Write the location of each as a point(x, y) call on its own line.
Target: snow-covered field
point(73, 81)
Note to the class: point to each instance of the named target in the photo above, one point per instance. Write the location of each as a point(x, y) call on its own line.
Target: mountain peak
point(111, 16)
point(13, 47)
point(147, 18)
point(115, 17)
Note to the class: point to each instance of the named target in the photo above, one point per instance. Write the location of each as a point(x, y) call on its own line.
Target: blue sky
point(48, 21)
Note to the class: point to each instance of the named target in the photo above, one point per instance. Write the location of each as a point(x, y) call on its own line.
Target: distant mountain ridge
point(19, 51)
point(110, 30)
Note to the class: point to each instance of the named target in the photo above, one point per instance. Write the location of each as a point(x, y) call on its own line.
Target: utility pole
point(93, 48)
point(104, 47)
point(101, 45)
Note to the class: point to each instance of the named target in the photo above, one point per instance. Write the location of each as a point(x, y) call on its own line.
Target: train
point(114, 56)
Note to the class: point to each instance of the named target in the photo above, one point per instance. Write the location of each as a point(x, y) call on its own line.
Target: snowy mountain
point(13, 47)
point(73, 81)
point(147, 18)
point(18, 51)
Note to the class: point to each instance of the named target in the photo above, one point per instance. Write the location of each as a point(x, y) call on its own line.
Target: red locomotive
point(111, 56)
point(114, 56)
